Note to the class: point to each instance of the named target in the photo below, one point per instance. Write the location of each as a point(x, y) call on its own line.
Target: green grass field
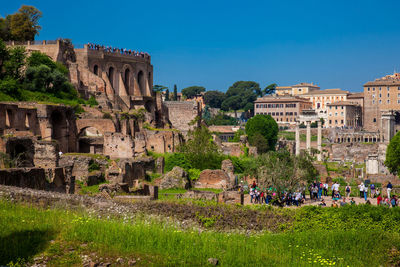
point(63, 236)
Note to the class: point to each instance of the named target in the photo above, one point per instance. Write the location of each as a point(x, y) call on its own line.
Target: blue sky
point(336, 44)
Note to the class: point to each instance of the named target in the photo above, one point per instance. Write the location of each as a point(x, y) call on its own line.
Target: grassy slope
point(65, 235)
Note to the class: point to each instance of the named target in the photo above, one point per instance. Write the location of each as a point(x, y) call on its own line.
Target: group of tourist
point(269, 196)
point(318, 191)
point(121, 51)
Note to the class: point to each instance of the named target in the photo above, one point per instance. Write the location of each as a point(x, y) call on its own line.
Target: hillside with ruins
point(195, 154)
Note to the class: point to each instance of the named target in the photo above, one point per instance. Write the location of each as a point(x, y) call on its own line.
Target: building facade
point(344, 114)
point(381, 96)
point(297, 89)
point(284, 109)
point(321, 98)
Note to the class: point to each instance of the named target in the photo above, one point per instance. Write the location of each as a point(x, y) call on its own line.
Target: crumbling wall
point(35, 178)
point(118, 145)
point(182, 113)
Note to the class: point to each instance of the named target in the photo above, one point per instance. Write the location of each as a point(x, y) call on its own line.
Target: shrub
point(194, 174)
point(93, 166)
point(92, 101)
point(107, 115)
point(176, 159)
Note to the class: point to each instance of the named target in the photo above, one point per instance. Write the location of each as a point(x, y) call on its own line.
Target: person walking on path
point(365, 191)
point(348, 190)
point(389, 189)
point(361, 188)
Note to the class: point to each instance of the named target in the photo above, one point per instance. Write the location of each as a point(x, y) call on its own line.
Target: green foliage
point(259, 141)
point(192, 91)
point(167, 95)
point(214, 98)
point(159, 88)
point(240, 94)
point(36, 78)
point(92, 101)
point(10, 87)
point(15, 62)
point(93, 166)
point(393, 155)
point(194, 174)
point(270, 89)
point(175, 93)
point(328, 236)
point(266, 126)
point(284, 171)
point(22, 25)
point(236, 137)
point(200, 151)
point(221, 119)
point(176, 159)
point(107, 115)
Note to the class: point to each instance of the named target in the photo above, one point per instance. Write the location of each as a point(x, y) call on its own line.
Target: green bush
point(194, 174)
point(93, 166)
point(176, 159)
point(92, 101)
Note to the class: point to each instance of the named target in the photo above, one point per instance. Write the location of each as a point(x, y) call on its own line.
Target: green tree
point(270, 89)
point(232, 103)
point(241, 95)
point(24, 25)
point(221, 119)
point(264, 125)
point(283, 171)
point(260, 142)
point(393, 155)
point(192, 91)
point(175, 93)
point(237, 135)
point(167, 95)
point(10, 87)
point(214, 98)
point(200, 150)
point(159, 88)
point(14, 64)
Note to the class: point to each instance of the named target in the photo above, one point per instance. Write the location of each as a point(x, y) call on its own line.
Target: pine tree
point(167, 95)
point(175, 93)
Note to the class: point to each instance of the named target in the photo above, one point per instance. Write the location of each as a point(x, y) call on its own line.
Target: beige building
point(380, 96)
point(344, 114)
point(284, 109)
point(297, 89)
point(321, 98)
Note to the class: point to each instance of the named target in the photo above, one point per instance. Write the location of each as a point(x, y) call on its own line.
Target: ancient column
point(297, 139)
point(308, 137)
point(319, 141)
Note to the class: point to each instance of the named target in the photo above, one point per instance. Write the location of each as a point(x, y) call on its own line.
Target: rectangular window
point(388, 101)
point(373, 89)
point(380, 95)
point(388, 88)
point(341, 121)
point(368, 88)
point(380, 88)
point(330, 121)
point(373, 101)
point(380, 101)
point(388, 95)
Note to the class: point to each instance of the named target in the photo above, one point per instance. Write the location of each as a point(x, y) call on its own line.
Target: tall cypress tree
point(175, 93)
point(167, 95)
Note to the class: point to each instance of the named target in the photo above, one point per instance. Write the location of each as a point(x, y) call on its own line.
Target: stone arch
point(141, 82)
point(96, 69)
point(111, 72)
point(59, 128)
point(128, 78)
point(90, 140)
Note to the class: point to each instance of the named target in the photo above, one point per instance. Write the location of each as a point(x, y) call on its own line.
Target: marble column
point(297, 139)
point(319, 141)
point(308, 137)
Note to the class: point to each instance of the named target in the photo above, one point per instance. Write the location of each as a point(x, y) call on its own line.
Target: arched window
point(127, 78)
point(141, 82)
point(96, 69)
point(111, 75)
